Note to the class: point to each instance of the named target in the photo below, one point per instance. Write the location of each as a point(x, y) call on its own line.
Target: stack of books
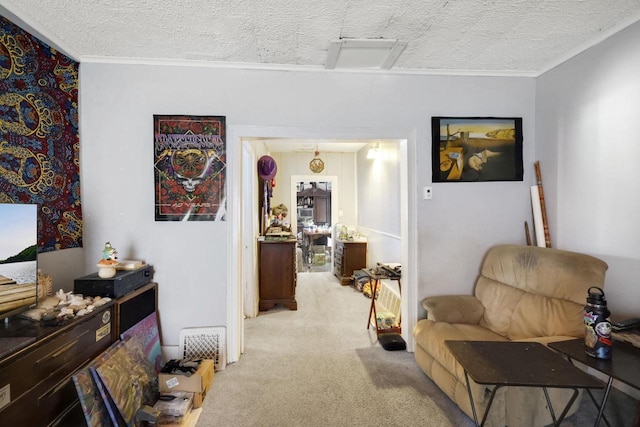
point(174, 407)
point(130, 264)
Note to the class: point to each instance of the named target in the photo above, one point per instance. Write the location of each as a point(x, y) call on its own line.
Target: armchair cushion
point(530, 292)
point(454, 309)
point(427, 331)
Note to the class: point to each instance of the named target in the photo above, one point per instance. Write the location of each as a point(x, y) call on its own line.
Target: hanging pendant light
point(316, 164)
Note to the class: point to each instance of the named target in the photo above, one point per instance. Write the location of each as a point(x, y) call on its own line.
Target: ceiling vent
point(364, 53)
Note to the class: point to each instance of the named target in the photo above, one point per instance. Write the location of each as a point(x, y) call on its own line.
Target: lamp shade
point(267, 167)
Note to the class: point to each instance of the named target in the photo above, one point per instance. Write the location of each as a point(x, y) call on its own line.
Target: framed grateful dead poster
point(189, 167)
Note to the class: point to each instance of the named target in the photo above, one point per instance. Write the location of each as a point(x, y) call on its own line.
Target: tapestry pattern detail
point(39, 148)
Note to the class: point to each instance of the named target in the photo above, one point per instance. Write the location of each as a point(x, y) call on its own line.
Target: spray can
point(597, 326)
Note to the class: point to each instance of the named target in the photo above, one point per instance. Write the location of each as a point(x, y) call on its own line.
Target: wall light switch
point(427, 193)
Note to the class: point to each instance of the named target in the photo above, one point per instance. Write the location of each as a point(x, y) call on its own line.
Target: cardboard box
point(198, 383)
point(198, 398)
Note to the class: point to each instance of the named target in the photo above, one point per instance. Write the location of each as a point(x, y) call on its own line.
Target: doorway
point(315, 210)
point(242, 244)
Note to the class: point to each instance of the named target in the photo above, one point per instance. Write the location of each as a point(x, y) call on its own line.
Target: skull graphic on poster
point(189, 167)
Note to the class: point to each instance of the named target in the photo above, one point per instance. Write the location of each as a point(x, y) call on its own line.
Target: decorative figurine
point(278, 226)
point(107, 265)
point(280, 213)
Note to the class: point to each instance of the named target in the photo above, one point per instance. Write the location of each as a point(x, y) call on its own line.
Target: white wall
point(463, 220)
point(190, 259)
point(64, 266)
point(378, 198)
point(587, 131)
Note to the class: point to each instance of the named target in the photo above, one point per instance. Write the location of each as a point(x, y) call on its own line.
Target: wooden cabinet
point(36, 388)
point(322, 210)
point(278, 274)
point(35, 380)
point(320, 201)
point(134, 307)
point(348, 257)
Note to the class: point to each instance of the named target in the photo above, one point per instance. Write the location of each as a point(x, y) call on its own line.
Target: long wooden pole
point(545, 224)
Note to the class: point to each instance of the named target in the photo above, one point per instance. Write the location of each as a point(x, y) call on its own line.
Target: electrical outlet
point(427, 193)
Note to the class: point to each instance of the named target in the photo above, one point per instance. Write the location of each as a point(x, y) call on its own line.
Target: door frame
point(239, 203)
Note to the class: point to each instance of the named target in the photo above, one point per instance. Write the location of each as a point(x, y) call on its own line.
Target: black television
point(18, 258)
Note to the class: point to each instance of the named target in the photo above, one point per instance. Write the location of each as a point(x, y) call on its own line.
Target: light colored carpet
point(320, 366)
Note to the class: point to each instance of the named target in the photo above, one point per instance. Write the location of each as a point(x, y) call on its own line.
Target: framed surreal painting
point(472, 149)
point(189, 168)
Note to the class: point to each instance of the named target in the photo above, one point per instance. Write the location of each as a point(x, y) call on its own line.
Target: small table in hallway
point(374, 285)
point(522, 364)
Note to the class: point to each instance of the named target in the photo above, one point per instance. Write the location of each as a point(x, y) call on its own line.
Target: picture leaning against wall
point(467, 149)
point(189, 168)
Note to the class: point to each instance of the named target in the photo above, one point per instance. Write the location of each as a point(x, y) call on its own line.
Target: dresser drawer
point(50, 361)
point(57, 400)
point(81, 342)
point(43, 405)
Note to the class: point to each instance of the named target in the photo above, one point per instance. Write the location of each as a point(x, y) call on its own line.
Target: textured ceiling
point(450, 36)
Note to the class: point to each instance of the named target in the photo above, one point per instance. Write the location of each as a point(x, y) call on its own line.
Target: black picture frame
point(476, 149)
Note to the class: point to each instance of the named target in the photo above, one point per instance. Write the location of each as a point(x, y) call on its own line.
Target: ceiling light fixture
point(373, 151)
point(364, 53)
point(316, 164)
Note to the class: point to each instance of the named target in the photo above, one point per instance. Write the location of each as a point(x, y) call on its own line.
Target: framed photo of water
point(18, 257)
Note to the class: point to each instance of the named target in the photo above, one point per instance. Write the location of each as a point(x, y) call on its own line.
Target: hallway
point(317, 265)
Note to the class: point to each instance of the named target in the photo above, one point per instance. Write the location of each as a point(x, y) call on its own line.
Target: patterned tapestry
point(39, 129)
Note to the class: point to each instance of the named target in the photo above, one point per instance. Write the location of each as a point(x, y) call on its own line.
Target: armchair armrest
point(454, 309)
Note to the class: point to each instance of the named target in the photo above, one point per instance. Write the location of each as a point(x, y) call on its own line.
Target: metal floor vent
point(205, 343)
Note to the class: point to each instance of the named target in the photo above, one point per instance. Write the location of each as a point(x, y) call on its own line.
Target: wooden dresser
point(348, 257)
point(35, 377)
point(278, 274)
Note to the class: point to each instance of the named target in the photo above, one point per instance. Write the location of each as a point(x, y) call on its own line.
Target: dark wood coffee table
point(623, 366)
point(522, 364)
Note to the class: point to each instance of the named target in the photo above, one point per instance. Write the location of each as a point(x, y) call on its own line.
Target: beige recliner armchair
point(523, 293)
